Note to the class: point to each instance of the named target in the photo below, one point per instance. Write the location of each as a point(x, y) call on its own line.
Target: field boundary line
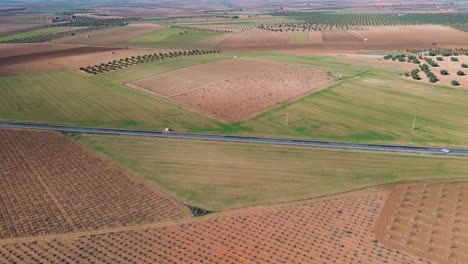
point(263, 207)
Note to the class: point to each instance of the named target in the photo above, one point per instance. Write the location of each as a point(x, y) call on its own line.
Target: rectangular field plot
point(51, 185)
point(234, 89)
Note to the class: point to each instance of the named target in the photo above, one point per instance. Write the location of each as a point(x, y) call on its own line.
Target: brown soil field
point(374, 38)
point(333, 230)
point(52, 57)
point(110, 36)
point(9, 50)
point(428, 220)
point(51, 185)
point(9, 27)
point(234, 89)
point(452, 67)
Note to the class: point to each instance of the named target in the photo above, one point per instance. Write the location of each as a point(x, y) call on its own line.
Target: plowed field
point(234, 89)
point(336, 230)
point(51, 57)
point(50, 185)
point(428, 220)
point(373, 38)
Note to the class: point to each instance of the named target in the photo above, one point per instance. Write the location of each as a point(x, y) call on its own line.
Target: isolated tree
point(454, 59)
point(464, 65)
point(444, 72)
point(455, 83)
point(460, 73)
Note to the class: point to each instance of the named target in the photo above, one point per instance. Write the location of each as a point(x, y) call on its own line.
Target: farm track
point(245, 139)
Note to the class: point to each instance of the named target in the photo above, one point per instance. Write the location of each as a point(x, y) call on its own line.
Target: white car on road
point(445, 150)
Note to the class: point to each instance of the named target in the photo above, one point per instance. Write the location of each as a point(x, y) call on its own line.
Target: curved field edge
point(222, 176)
point(367, 104)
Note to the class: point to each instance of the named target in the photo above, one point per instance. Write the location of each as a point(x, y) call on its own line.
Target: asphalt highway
point(238, 138)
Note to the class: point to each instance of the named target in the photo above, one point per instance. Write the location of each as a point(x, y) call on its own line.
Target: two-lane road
point(238, 138)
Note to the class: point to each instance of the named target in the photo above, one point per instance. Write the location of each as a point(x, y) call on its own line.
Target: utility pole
point(414, 123)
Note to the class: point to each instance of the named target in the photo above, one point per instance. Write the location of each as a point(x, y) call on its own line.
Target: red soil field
point(378, 38)
point(52, 57)
point(234, 89)
point(51, 185)
point(333, 230)
point(428, 220)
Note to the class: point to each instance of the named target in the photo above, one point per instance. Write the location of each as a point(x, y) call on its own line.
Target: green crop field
point(458, 20)
point(221, 176)
point(300, 37)
point(170, 38)
point(31, 33)
point(365, 104)
point(24, 19)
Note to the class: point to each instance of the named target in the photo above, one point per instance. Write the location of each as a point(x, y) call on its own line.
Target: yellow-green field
point(170, 38)
point(221, 176)
point(32, 33)
point(365, 104)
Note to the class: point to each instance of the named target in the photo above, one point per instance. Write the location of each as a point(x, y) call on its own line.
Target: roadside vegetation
point(250, 174)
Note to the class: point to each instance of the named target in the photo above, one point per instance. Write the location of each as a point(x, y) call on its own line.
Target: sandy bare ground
point(374, 38)
point(234, 89)
point(111, 36)
point(428, 220)
point(52, 185)
point(452, 67)
point(333, 230)
point(51, 57)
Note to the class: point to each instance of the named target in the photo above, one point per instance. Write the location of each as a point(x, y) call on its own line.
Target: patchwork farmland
point(254, 75)
point(234, 89)
point(335, 230)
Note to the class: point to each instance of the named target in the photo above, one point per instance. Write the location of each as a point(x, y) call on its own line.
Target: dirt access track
point(234, 89)
point(53, 57)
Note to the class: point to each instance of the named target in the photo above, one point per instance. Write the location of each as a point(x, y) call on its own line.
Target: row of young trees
point(136, 60)
point(442, 52)
point(304, 26)
point(402, 58)
point(82, 21)
point(48, 37)
point(203, 29)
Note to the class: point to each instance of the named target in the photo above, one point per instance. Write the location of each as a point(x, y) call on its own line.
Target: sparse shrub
point(444, 72)
point(460, 73)
point(455, 83)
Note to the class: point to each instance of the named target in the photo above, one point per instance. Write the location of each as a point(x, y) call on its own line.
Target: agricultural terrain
point(340, 112)
point(234, 89)
point(376, 74)
point(51, 185)
point(221, 176)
